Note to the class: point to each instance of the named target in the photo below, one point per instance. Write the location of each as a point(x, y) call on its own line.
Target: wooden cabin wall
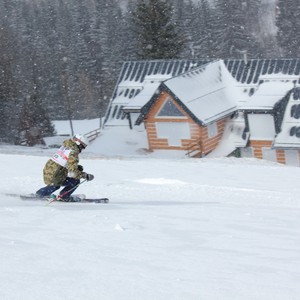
point(257, 150)
point(198, 134)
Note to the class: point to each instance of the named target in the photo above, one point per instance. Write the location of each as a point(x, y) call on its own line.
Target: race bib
point(61, 156)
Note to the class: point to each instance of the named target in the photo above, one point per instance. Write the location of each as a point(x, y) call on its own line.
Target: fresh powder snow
point(175, 228)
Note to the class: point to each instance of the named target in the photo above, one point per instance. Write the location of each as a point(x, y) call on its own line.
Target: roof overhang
point(219, 116)
point(131, 109)
point(265, 110)
point(286, 146)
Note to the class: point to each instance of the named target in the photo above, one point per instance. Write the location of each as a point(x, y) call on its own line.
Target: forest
point(60, 59)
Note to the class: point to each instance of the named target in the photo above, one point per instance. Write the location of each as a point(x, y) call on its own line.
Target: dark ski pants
point(70, 184)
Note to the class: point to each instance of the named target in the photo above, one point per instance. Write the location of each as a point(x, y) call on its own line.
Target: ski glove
point(88, 177)
point(80, 168)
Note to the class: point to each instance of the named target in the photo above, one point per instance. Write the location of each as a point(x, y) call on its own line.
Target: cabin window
point(295, 111)
point(295, 131)
point(174, 132)
point(251, 91)
point(131, 94)
point(212, 130)
point(124, 115)
point(169, 109)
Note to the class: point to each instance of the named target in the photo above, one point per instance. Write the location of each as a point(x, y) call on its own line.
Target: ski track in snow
point(174, 229)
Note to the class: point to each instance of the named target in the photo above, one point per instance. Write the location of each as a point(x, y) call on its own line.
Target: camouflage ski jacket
point(63, 164)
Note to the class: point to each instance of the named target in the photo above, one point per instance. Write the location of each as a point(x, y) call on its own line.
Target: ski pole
point(60, 196)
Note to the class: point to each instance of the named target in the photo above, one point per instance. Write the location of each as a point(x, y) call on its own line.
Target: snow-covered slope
point(180, 229)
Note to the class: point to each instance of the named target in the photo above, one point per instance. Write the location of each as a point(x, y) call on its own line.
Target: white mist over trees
point(66, 55)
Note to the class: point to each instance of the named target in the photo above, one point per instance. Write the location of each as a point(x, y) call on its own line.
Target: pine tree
point(157, 35)
point(106, 47)
point(7, 83)
point(233, 36)
point(34, 122)
point(129, 31)
point(41, 41)
point(251, 10)
point(205, 25)
point(288, 24)
point(185, 18)
point(50, 52)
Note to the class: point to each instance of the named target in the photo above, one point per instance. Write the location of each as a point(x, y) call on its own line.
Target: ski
point(88, 200)
point(75, 199)
point(32, 197)
point(25, 196)
point(80, 199)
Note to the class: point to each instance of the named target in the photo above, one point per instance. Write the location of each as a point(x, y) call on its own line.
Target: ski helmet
point(82, 140)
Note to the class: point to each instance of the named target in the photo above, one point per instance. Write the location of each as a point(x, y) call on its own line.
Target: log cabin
point(212, 108)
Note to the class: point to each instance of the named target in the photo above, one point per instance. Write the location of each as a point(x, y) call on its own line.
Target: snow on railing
point(194, 149)
point(92, 135)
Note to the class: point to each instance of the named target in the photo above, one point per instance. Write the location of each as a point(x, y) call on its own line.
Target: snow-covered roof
point(269, 92)
point(136, 74)
point(234, 136)
point(126, 92)
point(245, 72)
point(133, 78)
point(150, 85)
point(289, 135)
point(209, 92)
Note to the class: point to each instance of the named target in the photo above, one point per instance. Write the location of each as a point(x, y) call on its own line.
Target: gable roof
point(141, 78)
point(150, 85)
point(208, 92)
point(138, 80)
point(289, 133)
point(269, 92)
point(250, 72)
point(244, 72)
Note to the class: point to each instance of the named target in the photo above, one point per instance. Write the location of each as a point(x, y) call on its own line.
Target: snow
point(209, 92)
point(284, 138)
point(132, 95)
point(150, 85)
point(176, 228)
point(261, 126)
point(232, 137)
point(174, 132)
point(64, 128)
point(269, 93)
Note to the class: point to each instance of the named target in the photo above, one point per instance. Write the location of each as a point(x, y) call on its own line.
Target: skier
point(62, 169)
